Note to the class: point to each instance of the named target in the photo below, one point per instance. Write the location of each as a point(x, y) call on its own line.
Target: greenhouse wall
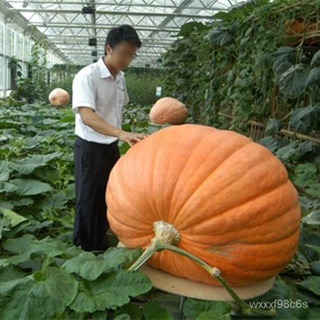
point(15, 44)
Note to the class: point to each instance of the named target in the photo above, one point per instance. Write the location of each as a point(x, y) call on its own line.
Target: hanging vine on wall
point(32, 86)
point(236, 65)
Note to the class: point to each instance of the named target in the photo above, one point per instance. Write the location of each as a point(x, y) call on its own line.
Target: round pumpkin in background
point(168, 110)
point(59, 97)
point(228, 197)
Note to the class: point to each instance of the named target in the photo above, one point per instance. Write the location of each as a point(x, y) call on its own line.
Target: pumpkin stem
point(166, 237)
point(165, 232)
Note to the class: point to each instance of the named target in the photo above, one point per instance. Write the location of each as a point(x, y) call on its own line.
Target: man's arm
point(91, 119)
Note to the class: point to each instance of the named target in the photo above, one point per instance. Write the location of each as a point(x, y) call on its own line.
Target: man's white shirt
point(94, 87)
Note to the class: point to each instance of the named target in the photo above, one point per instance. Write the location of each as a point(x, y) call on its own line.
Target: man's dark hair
point(122, 33)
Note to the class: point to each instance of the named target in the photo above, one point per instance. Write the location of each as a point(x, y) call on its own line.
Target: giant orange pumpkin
point(168, 110)
point(59, 97)
point(229, 198)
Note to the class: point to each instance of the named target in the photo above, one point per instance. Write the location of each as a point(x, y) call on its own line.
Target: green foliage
point(243, 65)
point(142, 86)
point(43, 276)
point(31, 87)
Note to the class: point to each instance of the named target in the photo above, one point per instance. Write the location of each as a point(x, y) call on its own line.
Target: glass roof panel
point(156, 21)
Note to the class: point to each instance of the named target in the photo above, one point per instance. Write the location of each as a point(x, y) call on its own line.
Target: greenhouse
point(159, 159)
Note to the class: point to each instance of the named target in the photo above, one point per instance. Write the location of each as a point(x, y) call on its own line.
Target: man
point(99, 94)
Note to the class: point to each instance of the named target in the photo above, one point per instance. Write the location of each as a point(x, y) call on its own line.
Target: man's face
point(121, 55)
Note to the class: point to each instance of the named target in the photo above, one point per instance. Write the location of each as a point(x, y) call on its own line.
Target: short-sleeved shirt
point(95, 87)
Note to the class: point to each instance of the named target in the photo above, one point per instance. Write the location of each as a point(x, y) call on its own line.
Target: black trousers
point(93, 163)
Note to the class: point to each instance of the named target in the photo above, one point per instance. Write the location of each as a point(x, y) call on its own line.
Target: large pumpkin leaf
point(40, 296)
point(153, 311)
point(27, 246)
point(27, 187)
point(11, 216)
point(292, 82)
point(193, 307)
point(312, 218)
point(90, 267)
point(11, 273)
point(213, 315)
point(110, 291)
point(305, 174)
point(7, 187)
point(312, 284)
point(4, 176)
point(28, 165)
point(130, 309)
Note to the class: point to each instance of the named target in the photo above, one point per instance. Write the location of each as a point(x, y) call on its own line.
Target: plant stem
point(163, 241)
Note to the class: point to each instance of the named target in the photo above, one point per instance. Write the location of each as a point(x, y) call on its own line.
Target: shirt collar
point(104, 71)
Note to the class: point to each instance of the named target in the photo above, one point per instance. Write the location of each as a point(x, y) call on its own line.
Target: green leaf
point(28, 165)
point(153, 311)
point(283, 55)
point(13, 217)
point(29, 299)
point(314, 189)
point(312, 218)
point(190, 27)
point(305, 174)
point(27, 246)
point(131, 309)
point(221, 15)
point(110, 291)
point(220, 36)
point(90, 267)
point(313, 247)
point(27, 187)
point(51, 201)
point(292, 82)
point(7, 187)
point(288, 152)
point(279, 291)
point(305, 119)
point(10, 273)
point(216, 315)
point(315, 59)
point(313, 77)
point(270, 143)
point(123, 316)
point(4, 176)
point(273, 126)
point(312, 284)
point(193, 308)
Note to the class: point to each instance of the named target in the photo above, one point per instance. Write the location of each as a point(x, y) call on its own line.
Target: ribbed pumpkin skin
point(59, 97)
point(168, 110)
point(229, 198)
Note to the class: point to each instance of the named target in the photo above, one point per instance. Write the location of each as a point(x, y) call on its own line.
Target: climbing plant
point(250, 63)
point(32, 86)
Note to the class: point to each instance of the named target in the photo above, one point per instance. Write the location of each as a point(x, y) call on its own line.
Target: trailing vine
point(239, 65)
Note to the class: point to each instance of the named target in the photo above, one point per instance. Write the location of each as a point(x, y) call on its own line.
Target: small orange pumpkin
point(168, 110)
point(229, 198)
point(308, 31)
point(59, 97)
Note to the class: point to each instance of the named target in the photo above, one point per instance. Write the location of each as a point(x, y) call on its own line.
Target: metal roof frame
point(68, 28)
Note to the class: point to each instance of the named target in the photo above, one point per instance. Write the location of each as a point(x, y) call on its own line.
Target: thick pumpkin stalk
point(166, 238)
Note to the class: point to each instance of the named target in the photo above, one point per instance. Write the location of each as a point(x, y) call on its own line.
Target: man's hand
point(131, 137)
point(91, 119)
